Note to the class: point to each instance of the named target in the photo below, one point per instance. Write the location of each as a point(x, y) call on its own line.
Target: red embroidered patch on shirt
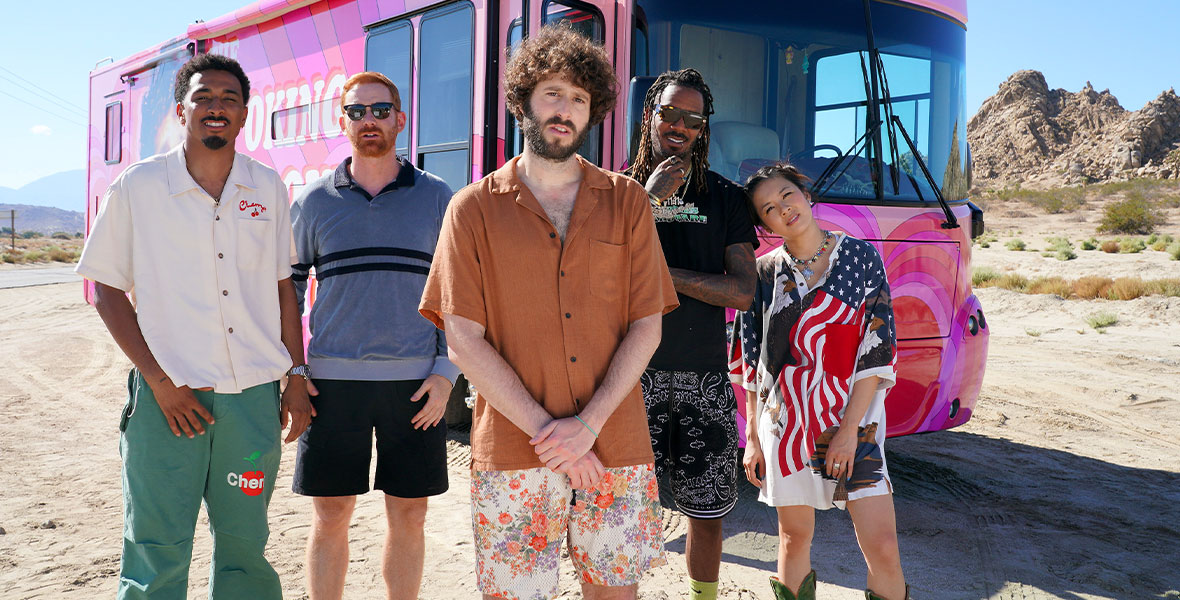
point(254, 208)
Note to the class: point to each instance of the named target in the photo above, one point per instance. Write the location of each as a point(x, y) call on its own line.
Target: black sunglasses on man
point(380, 110)
point(670, 114)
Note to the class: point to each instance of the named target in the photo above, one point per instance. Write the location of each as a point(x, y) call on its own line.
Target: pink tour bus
point(866, 96)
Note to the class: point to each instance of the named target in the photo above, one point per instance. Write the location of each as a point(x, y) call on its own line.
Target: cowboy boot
point(806, 589)
point(869, 595)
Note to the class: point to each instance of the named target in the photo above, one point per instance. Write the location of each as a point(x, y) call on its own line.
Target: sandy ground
point(1064, 484)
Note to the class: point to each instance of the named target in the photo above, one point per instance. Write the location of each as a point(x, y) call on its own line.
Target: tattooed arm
point(734, 288)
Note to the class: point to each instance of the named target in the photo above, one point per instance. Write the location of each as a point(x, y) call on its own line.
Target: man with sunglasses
point(369, 229)
point(708, 241)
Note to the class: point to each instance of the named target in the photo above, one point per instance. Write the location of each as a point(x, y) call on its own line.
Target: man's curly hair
point(559, 50)
point(209, 62)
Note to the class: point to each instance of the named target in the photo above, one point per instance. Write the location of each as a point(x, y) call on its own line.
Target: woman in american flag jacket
point(815, 354)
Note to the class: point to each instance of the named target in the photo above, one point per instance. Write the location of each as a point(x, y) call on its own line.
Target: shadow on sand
point(980, 517)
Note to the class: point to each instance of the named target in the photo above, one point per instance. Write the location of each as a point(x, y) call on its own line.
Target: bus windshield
point(788, 82)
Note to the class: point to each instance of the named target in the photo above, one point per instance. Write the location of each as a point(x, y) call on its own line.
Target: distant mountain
point(1030, 134)
point(43, 219)
point(65, 190)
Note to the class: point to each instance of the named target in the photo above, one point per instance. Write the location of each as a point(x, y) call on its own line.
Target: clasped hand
point(564, 446)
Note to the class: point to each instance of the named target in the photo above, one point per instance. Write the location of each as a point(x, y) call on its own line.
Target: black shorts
point(691, 417)
point(334, 453)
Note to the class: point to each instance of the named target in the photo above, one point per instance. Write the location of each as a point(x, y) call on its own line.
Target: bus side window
point(114, 133)
point(583, 19)
point(445, 88)
point(586, 20)
point(387, 51)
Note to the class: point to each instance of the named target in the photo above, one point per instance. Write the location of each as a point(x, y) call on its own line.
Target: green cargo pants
point(232, 467)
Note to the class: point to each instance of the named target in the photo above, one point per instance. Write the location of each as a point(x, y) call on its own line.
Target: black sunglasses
point(670, 114)
point(381, 110)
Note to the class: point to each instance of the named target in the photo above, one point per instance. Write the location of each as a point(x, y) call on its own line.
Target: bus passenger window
point(585, 20)
point(114, 133)
point(445, 87)
point(387, 51)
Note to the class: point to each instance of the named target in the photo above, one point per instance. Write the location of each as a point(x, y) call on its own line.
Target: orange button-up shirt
point(556, 312)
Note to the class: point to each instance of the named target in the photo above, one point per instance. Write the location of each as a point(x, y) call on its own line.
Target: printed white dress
point(800, 350)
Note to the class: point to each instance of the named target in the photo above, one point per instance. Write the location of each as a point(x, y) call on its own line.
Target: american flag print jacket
point(801, 350)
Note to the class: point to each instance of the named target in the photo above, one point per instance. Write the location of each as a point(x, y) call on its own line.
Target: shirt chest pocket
point(609, 270)
point(255, 241)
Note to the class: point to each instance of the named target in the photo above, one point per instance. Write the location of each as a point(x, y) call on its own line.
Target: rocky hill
point(1029, 134)
point(43, 219)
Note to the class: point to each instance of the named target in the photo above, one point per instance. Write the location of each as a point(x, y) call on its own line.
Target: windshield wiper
point(877, 91)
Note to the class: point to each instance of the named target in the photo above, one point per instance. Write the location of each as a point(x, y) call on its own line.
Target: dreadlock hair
point(645, 160)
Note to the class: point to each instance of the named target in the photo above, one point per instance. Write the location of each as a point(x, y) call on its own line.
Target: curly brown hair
point(559, 50)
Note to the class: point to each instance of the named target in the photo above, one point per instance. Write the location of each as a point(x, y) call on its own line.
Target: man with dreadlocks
point(708, 241)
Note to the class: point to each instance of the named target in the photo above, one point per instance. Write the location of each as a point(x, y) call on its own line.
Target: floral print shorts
point(520, 518)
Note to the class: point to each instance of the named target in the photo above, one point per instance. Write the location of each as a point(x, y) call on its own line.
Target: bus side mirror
point(976, 220)
point(636, 92)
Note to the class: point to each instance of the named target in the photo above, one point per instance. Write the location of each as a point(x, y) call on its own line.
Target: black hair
point(645, 161)
point(781, 169)
point(209, 62)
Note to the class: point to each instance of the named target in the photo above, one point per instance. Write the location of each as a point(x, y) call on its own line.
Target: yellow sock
point(702, 590)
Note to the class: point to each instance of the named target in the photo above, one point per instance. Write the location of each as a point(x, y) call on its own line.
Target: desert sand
point(1064, 484)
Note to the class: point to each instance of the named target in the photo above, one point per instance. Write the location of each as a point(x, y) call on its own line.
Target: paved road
point(26, 277)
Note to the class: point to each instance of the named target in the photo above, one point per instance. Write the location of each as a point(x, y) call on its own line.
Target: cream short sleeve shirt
point(202, 274)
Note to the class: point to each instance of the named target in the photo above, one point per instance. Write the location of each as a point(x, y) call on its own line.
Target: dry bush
point(34, 256)
point(1164, 287)
point(1110, 246)
point(1092, 286)
point(1131, 245)
point(1101, 320)
point(1016, 245)
point(1056, 286)
point(1012, 281)
point(1127, 288)
point(1134, 214)
point(58, 255)
point(984, 276)
point(1174, 250)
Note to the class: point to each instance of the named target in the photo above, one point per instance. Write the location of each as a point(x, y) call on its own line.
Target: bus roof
point(264, 10)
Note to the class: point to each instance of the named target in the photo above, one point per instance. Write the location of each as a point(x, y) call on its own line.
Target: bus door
point(594, 19)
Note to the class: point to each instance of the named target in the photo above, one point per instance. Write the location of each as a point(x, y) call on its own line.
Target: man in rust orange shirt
point(550, 283)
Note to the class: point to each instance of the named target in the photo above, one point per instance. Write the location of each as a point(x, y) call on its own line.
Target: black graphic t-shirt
point(694, 231)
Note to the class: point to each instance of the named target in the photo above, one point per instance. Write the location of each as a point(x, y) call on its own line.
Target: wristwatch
point(303, 371)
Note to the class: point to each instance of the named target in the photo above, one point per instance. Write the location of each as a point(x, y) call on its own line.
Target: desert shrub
point(34, 256)
point(1092, 286)
point(1050, 285)
point(1032, 332)
point(61, 235)
point(28, 235)
point(1057, 243)
point(1015, 244)
point(58, 255)
point(10, 257)
point(982, 276)
point(1012, 281)
point(1164, 287)
point(985, 244)
point(1159, 245)
point(1133, 214)
point(1174, 250)
point(1127, 288)
point(1131, 246)
point(1101, 320)
point(1065, 254)
point(1090, 244)
point(1110, 246)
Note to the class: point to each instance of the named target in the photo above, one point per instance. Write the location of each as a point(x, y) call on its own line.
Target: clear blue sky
point(1129, 47)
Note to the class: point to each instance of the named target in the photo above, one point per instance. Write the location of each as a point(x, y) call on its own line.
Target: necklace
point(804, 266)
